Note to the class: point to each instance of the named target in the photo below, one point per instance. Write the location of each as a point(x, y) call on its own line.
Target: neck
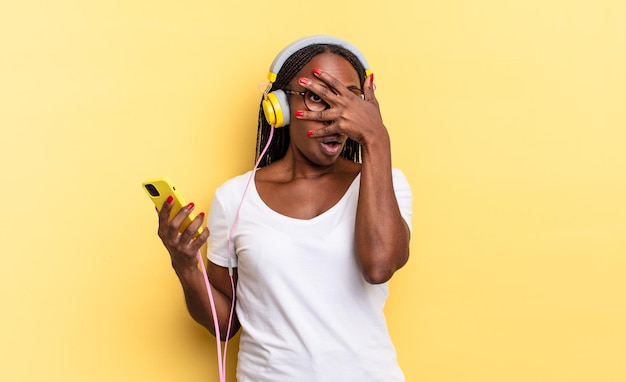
point(298, 167)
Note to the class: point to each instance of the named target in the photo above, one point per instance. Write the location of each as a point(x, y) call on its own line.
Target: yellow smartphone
point(159, 190)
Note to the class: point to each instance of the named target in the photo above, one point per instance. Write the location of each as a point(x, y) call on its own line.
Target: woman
point(318, 236)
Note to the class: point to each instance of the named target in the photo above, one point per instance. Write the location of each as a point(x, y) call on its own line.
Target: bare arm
point(198, 303)
point(183, 249)
point(382, 236)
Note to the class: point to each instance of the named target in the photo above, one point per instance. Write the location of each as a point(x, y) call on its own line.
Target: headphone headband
point(312, 40)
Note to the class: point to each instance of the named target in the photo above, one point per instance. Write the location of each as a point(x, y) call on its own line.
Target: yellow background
point(506, 116)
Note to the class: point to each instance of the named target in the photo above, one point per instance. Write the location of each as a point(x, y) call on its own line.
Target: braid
point(295, 63)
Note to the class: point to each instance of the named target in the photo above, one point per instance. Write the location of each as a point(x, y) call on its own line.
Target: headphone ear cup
point(276, 108)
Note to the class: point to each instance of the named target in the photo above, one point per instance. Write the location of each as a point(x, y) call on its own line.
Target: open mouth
point(332, 144)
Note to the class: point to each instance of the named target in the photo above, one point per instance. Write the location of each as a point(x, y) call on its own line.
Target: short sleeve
point(218, 252)
point(404, 196)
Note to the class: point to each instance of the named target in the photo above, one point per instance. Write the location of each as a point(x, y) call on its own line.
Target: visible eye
point(313, 97)
point(357, 92)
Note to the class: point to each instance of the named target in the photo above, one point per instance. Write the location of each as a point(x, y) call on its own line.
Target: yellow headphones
point(275, 104)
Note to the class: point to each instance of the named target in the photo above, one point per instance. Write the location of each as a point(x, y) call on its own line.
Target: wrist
point(378, 147)
point(186, 271)
point(380, 140)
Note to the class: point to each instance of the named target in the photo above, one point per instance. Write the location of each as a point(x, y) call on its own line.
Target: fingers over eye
point(332, 86)
point(327, 78)
point(319, 89)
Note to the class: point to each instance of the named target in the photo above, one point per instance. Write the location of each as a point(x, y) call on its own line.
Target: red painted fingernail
point(317, 71)
point(303, 81)
point(190, 206)
point(201, 214)
point(309, 133)
point(170, 199)
point(372, 78)
point(299, 113)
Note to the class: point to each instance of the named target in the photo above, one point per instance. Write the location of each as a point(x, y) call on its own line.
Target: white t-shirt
point(305, 310)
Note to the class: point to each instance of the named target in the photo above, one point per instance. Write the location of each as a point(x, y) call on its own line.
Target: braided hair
point(295, 63)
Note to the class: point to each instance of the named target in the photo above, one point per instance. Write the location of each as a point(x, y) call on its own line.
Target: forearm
point(382, 237)
point(199, 306)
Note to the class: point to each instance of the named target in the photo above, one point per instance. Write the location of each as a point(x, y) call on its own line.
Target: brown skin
point(309, 180)
point(183, 249)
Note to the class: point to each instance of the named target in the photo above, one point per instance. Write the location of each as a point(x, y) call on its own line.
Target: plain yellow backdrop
point(506, 116)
